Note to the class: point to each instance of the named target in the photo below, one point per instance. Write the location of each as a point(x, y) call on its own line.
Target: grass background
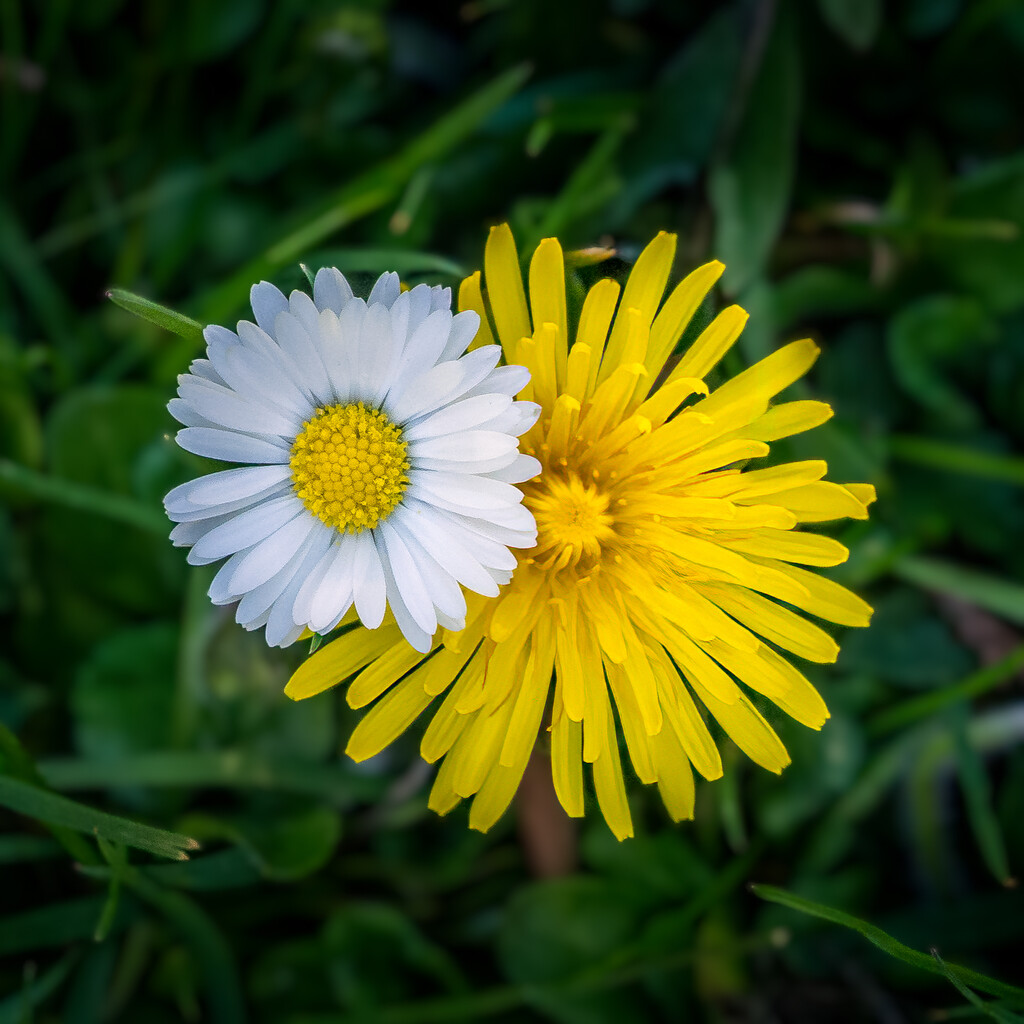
point(860, 168)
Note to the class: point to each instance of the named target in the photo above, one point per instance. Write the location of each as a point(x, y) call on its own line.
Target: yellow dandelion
point(650, 601)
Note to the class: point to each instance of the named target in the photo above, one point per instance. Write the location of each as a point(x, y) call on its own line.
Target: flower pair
point(644, 593)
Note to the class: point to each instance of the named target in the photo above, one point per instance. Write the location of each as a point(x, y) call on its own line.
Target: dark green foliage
point(859, 165)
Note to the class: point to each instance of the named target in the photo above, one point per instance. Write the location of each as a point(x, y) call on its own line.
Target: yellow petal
point(820, 502)
point(337, 660)
point(567, 762)
point(788, 418)
point(632, 723)
point(471, 297)
point(643, 292)
point(609, 785)
point(677, 312)
point(380, 674)
point(713, 342)
point(773, 622)
point(748, 730)
point(531, 698)
point(547, 298)
point(388, 718)
point(505, 291)
point(790, 546)
point(675, 780)
point(595, 319)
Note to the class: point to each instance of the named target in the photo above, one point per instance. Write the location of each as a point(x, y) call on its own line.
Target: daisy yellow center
point(573, 521)
point(350, 466)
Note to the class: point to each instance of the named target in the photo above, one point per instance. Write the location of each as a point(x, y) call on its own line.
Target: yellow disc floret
point(350, 466)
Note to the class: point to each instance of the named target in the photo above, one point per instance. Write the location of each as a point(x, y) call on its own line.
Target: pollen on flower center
point(350, 466)
point(573, 521)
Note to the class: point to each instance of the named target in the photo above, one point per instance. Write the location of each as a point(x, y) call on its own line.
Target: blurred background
point(858, 165)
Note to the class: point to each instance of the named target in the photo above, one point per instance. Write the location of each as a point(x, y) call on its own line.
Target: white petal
point(220, 588)
point(419, 639)
point(506, 380)
point(440, 539)
point(228, 446)
point(466, 446)
point(516, 421)
point(245, 529)
point(463, 331)
point(368, 587)
point(500, 533)
point(186, 415)
point(304, 354)
point(269, 374)
point(339, 336)
point(330, 289)
point(458, 416)
point(428, 392)
point(333, 595)
point(479, 467)
point(447, 622)
point(272, 553)
point(267, 301)
point(184, 535)
point(424, 346)
point(227, 408)
point(413, 590)
point(386, 290)
point(225, 486)
point(304, 598)
point(461, 493)
point(525, 467)
point(444, 592)
point(204, 368)
point(440, 298)
point(375, 362)
point(282, 629)
point(303, 309)
point(205, 514)
point(258, 600)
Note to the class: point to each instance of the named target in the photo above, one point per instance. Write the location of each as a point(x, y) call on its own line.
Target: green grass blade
point(17, 1008)
point(203, 769)
point(990, 1010)
point(210, 948)
point(988, 592)
point(924, 706)
point(888, 944)
point(978, 797)
point(168, 319)
point(954, 458)
point(59, 810)
point(370, 191)
point(30, 483)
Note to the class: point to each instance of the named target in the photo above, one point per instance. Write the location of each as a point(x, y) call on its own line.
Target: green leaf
point(977, 792)
point(285, 848)
point(855, 21)
point(212, 954)
point(989, 1009)
point(888, 944)
point(20, 481)
point(177, 323)
point(17, 1008)
point(954, 458)
point(927, 340)
point(995, 595)
point(122, 696)
point(58, 924)
point(368, 192)
point(336, 784)
point(928, 704)
point(750, 187)
point(58, 810)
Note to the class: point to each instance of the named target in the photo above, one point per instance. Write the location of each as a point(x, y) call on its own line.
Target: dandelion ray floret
point(379, 462)
point(666, 587)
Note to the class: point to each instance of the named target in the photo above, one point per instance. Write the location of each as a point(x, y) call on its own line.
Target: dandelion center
point(573, 521)
point(350, 466)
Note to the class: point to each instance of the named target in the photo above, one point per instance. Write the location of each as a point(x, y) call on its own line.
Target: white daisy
point(380, 459)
